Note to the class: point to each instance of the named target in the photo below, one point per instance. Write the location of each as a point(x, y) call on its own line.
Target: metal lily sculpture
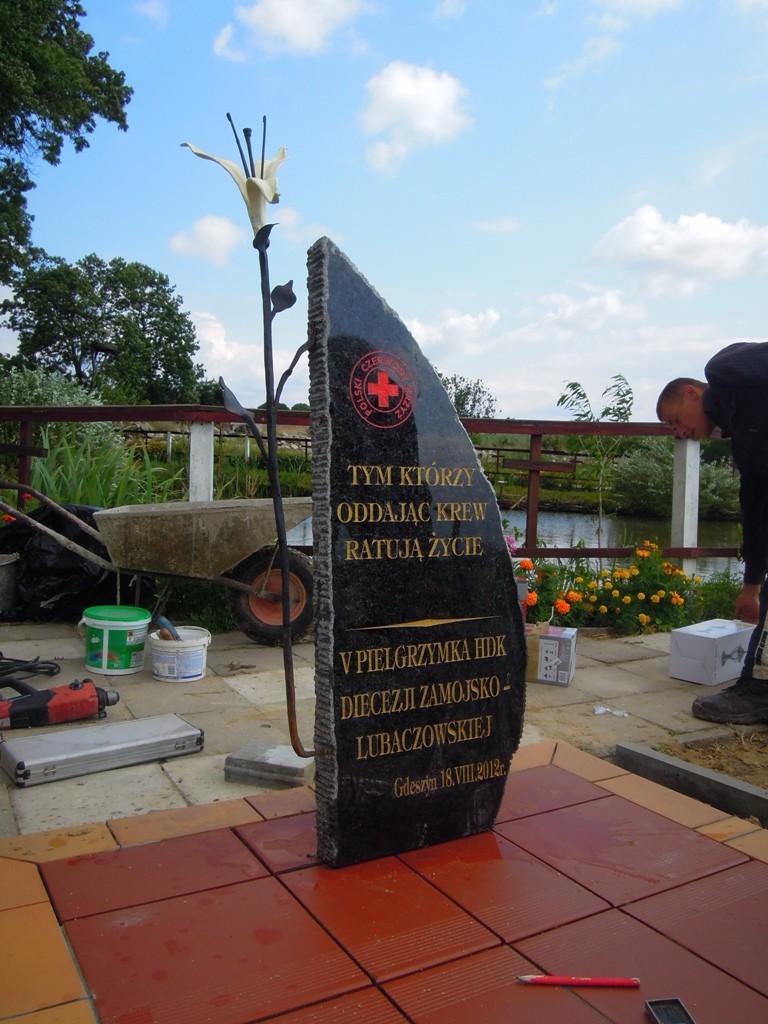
point(257, 191)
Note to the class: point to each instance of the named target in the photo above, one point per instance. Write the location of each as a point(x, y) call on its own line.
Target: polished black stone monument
point(420, 653)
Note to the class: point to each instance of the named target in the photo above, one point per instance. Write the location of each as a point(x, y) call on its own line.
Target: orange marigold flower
point(531, 598)
point(562, 607)
point(642, 553)
point(525, 564)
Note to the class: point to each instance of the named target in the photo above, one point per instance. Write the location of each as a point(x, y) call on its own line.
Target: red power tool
point(31, 707)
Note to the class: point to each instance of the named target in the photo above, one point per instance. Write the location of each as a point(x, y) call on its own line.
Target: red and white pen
point(567, 979)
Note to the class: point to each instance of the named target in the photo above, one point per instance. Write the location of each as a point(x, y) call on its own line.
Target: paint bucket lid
point(116, 613)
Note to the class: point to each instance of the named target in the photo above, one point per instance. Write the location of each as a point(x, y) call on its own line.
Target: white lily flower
point(256, 192)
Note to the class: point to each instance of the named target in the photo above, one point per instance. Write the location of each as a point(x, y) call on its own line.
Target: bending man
point(734, 398)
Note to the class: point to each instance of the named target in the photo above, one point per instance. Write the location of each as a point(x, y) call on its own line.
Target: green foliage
point(717, 596)
point(115, 328)
point(197, 603)
point(52, 89)
point(20, 386)
point(718, 489)
point(641, 482)
point(104, 475)
point(471, 398)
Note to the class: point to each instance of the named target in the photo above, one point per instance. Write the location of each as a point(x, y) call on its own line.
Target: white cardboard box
point(710, 652)
point(552, 655)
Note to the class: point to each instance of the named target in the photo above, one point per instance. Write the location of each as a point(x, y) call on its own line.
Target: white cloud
point(638, 8)
point(678, 257)
point(717, 165)
point(449, 9)
point(416, 106)
point(455, 332)
point(156, 10)
point(293, 227)
point(222, 46)
point(761, 6)
point(566, 315)
point(595, 49)
point(497, 225)
point(211, 238)
point(299, 26)
point(241, 364)
point(615, 17)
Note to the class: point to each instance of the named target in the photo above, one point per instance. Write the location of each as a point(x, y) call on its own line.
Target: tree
point(471, 398)
point(116, 328)
point(52, 89)
point(600, 450)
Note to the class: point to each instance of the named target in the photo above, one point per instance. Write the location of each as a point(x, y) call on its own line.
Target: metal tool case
point(48, 756)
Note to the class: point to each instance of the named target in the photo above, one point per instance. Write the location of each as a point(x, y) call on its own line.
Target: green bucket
point(115, 636)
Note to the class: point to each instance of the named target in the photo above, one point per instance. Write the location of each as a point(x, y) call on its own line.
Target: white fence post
point(201, 461)
point(685, 500)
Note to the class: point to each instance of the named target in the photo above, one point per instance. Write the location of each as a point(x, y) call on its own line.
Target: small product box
point(710, 652)
point(551, 654)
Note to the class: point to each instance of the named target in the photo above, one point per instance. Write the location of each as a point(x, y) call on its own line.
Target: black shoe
point(744, 703)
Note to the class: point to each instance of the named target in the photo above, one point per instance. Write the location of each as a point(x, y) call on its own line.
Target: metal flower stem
point(277, 498)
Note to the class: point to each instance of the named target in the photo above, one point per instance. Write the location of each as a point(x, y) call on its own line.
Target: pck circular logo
point(382, 389)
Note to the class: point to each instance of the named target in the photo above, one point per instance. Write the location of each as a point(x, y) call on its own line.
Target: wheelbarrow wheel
point(260, 616)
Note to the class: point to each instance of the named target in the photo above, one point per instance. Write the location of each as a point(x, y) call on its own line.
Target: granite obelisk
point(420, 653)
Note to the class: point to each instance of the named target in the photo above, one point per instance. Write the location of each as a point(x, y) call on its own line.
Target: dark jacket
point(737, 401)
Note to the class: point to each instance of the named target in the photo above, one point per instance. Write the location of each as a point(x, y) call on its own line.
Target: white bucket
point(179, 661)
point(115, 636)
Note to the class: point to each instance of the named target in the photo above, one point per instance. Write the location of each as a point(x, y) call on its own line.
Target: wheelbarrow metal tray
point(193, 538)
point(82, 750)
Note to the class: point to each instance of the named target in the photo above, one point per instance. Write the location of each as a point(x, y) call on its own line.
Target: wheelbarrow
point(228, 542)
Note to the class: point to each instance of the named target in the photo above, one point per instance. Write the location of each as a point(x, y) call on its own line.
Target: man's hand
point(748, 603)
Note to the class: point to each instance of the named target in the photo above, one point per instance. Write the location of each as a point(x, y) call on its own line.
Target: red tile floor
point(176, 917)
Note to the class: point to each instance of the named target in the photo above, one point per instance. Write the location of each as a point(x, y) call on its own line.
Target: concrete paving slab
point(7, 814)
point(50, 648)
point(259, 762)
point(268, 687)
point(598, 734)
point(542, 695)
point(669, 709)
point(615, 681)
point(151, 697)
point(650, 668)
point(611, 650)
point(201, 780)
point(98, 797)
point(13, 631)
point(229, 729)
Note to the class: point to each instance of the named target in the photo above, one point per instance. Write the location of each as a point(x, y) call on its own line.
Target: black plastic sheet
point(52, 582)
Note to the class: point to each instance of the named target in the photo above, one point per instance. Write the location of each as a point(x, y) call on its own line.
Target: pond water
point(567, 529)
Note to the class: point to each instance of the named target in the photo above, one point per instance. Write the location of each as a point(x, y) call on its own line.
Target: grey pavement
point(621, 692)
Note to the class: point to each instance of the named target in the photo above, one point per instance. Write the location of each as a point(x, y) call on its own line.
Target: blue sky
point(544, 190)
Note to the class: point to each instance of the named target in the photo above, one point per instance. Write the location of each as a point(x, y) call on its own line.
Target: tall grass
point(104, 474)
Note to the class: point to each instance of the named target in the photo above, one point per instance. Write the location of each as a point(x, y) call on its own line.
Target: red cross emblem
point(383, 389)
